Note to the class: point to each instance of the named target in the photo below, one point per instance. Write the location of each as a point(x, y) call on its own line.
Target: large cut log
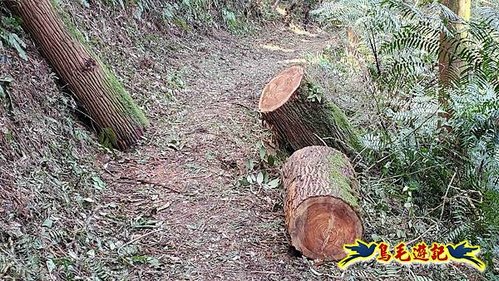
point(118, 119)
point(321, 207)
point(300, 116)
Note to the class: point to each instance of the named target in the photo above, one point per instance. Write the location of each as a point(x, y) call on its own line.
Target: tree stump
point(300, 116)
point(321, 202)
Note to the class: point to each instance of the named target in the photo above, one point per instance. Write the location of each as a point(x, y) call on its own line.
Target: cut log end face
point(322, 226)
point(278, 91)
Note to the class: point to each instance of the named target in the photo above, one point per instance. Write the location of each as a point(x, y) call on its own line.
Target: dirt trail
point(181, 185)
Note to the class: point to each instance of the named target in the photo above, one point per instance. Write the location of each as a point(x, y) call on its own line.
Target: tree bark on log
point(300, 116)
point(97, 89)
point(321, 207)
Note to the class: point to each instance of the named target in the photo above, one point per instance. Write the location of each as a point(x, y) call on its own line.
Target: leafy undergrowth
point(48, 176)
point(172, 209)
point(424, 181)
point(199, 199)
point(386, 214)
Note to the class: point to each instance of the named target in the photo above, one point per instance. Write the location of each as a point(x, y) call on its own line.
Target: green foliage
point(404, 39)
point(4, 82)
point(441, 156)
point(9, 28)
point(475, 45)
point(176, 80)
point(232, 21)
point(261, 173)
point(188, 15)
point(314, 92)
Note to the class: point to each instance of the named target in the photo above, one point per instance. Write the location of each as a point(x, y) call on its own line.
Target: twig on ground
point(420, 236)
point(243, 106)
point(142, 181)
point(139, 238)
point(445, 195)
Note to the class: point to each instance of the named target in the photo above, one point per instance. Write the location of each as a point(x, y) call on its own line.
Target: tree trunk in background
point(321, 202)
point(119, 121)
point(300, 116)
point(447, 65)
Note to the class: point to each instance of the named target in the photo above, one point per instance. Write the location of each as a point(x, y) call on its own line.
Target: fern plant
point(475, 45)
point(404, 39)
point(437, 157)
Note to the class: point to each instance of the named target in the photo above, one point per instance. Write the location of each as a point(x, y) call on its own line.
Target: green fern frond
point(418, 39)
point(456, 233)
point(490, 16)
point(405, 66)
point(447, 14)
point(407, 10)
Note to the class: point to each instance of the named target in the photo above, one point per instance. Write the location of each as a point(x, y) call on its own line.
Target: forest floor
point(172, 208)
point(176, 201)
point(184, 179)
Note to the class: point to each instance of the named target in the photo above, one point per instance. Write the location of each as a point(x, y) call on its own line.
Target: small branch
point(139, 238)
point(445, 195)
point(142, 181)
point(420, 236)
point(372, 44)
point(323, 142)
point(243, 106)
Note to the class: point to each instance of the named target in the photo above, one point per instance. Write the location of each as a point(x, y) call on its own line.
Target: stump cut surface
point(298, 114)
point(281, 88)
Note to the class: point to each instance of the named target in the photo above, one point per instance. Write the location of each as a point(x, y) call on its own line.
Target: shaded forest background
point(425, 175)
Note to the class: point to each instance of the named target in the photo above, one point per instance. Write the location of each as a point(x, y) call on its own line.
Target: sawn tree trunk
point(299, 115)
point(321, 202)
